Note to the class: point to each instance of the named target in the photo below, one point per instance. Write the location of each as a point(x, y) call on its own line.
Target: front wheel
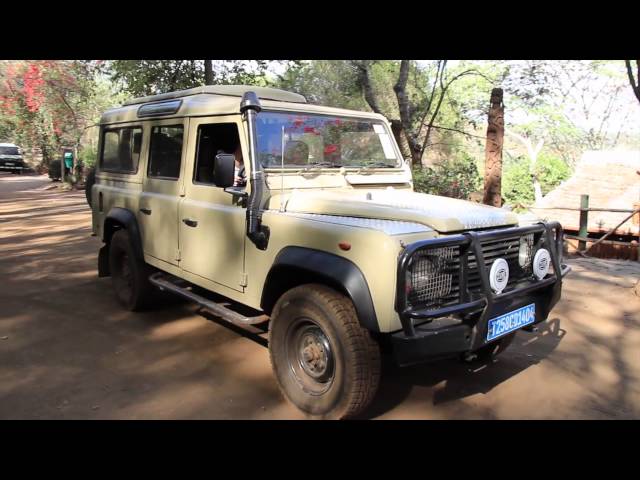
point(326, 364)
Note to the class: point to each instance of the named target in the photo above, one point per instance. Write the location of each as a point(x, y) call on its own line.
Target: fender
point(126, 218)
point(295, 265)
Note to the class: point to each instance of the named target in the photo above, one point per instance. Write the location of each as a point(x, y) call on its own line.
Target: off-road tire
point(129, 274)
point(355, 354)
point(492, 350)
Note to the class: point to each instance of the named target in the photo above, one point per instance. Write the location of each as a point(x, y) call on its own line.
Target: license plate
point(9, 163)
point(511, 321)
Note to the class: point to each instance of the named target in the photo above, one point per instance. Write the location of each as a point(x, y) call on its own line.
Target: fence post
point(584, 220)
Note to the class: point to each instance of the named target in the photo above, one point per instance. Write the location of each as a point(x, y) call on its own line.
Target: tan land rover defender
point(305, 216)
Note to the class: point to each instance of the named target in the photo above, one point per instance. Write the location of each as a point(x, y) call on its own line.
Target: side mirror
point(224, 170)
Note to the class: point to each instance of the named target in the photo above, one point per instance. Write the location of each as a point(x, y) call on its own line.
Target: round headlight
point(541, 263)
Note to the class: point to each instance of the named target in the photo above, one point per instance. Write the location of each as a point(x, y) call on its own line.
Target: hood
point(440, 213)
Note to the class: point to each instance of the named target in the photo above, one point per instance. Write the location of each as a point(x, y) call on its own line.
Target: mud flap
point(103, 261)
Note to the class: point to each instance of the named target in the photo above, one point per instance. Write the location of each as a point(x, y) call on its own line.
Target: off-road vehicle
point(11, 158)
point(327, 241)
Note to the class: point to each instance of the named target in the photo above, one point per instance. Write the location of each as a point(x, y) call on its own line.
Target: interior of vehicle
point(213, 139)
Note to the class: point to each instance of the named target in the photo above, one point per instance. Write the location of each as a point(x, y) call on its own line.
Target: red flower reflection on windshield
point(329, 149)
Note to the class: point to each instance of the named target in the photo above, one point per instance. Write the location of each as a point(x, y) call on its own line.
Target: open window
point(121, 149)
point(165, 152)
point(213, 139)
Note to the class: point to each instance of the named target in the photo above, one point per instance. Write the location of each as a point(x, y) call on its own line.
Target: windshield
point(9, 151)
point(321, 140)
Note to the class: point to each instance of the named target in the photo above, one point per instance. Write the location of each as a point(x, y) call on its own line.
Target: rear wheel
point(326, 364)
point(129, 274)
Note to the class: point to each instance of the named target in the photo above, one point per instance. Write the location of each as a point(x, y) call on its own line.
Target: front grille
point(433, 278)
point(507, 248)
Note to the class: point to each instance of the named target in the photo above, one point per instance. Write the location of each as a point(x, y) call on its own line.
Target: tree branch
point(365, 82)
point(443, 91)
point(634, 83)
point(436, 127)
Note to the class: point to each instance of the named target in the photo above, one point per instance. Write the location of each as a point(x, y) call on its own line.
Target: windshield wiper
point(377, 164)
point(323, 164)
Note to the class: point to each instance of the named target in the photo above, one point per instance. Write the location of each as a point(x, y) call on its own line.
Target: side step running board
point(160, 280)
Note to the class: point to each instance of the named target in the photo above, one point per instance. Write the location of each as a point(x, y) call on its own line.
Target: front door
point(162, 189)
point(212, 222)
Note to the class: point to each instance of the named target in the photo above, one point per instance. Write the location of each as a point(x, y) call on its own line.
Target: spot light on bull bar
point(499, 275)
point(541, 263)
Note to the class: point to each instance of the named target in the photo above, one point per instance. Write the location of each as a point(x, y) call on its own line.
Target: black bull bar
point(462, 327)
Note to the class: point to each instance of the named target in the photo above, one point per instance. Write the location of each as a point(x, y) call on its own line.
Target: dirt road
point(67, 351)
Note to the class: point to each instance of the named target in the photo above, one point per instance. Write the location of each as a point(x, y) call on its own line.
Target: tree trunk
point(405, 113)
point(208, 72)
point(401, 139)
point(493, 151)
point(635, 82)
point(533, 157)
point(537, 189)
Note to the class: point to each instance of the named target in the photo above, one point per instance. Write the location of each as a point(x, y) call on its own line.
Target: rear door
point(162, 189)
point(212, 222)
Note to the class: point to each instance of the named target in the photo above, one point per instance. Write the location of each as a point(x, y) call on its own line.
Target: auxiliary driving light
point(541, 263)
point(499, 275)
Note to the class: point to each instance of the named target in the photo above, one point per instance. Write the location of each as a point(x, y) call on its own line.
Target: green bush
point(517, 181)
point(88, 156)
point(456, 177)
point(552, 171)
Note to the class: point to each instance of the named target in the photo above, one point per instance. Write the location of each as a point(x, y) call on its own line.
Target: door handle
point(189, 222)
point(146, 211)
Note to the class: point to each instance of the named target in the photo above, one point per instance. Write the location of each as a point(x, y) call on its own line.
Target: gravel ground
point(67, 351)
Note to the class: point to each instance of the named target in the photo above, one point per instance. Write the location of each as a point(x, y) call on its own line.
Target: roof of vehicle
point(219, 100)
point(8, 145)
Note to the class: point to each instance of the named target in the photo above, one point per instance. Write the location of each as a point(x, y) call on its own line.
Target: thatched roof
point(610, 178)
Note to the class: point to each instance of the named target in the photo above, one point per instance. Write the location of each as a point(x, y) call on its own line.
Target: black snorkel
point(257, 233)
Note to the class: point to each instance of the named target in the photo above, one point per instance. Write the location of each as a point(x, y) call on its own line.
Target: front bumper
point(463, 327)
point(11, 167)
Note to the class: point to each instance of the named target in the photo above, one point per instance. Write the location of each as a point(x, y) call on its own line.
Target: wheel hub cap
point(314, 354)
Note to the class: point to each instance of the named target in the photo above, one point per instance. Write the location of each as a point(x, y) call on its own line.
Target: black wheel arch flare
point(294, 266)
point(116, 219)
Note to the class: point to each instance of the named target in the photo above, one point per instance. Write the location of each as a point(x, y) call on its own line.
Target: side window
point(213, 139)
point(165, 152)
point(121, 149)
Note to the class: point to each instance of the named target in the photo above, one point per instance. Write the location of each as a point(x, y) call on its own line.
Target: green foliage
point(517, 183)
point(551, 171)
point(88, 156)
point(517, 179)
point(456, 177)
point(327, 82)
point(149, 77)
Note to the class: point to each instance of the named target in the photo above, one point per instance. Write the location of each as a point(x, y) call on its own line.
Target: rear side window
point(121, 149)
point(165, 152)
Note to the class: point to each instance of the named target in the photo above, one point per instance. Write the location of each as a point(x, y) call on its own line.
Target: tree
point(49, 104)
point(414, 118)
point(580, 104)
point(493, 151)
point(149, 77)
point(635, 85)
point(532, 151)
point(208, 72)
